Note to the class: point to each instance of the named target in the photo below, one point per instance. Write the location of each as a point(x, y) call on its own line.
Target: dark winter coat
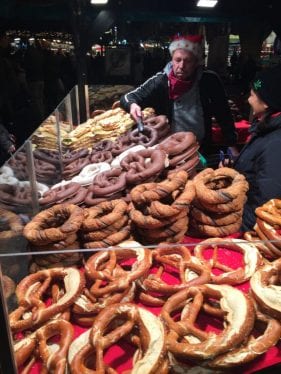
point(259, 161)
point(155, 93)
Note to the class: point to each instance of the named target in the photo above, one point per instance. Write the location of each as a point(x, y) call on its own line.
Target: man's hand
point(135, 111)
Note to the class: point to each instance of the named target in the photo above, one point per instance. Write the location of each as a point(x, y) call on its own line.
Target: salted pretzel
point(103, 214)
point(185, 339)
point(10, 224)
point(254, 347)
point(266, 290)
point(150, 341)
point(262, 228)
point(251, 256)
point(54, 224)
point(252, 236)
point(24, 351)
point(220, 186)
point(270, 232)
point(55, 362)
point(32, 310)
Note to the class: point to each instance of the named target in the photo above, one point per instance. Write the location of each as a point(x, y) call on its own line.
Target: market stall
point(117, 254)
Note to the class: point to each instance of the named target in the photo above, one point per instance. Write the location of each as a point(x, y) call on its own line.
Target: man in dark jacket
point(186, 93)
point(260, 159)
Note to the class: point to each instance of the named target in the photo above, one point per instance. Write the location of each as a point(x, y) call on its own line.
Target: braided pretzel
point(10, 224)
point(215, 231)
point(54, 224)
point(104, 214)
point(110, 240)
point(30, 292)
point(150, 343)
point(254, 346)
point(220, 186)
point(104, 233)
point(236, 308)
point(215, 219)
point(252, 259)
point(55, 362)
point(230, 207)
point(265, 288)
point(148, 192)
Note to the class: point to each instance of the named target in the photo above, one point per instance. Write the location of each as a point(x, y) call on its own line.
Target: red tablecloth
point(122, 354)
point(242, 129)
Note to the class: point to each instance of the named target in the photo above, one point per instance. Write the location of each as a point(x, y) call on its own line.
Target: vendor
point(186, 93)
point(260, 159)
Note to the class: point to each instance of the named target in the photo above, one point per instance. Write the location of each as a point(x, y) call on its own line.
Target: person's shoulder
point(208, 75)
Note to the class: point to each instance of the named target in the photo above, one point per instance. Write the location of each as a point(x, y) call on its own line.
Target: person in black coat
point(260, 159)
point(187, 94)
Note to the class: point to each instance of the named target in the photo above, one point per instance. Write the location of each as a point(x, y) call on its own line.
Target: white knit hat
point(192, 43)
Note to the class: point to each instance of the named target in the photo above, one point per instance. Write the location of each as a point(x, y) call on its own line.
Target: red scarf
point(178, 87)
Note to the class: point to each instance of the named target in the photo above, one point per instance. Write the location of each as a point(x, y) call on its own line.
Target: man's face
point(184, 64)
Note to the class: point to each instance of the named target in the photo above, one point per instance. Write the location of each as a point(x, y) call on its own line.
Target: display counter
point(93, 237)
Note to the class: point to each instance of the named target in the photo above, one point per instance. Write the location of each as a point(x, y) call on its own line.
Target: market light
point(207, 3)
point(97, 2)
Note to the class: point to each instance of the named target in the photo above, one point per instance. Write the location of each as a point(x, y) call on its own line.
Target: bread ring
point(214, 231)
point(178, 143)
point(265, 290)
point(54, 224)
point(234, 185)
point(252, 259)
point(235, 306)
point(110, 240)
point(103, 214)
point(215, 219)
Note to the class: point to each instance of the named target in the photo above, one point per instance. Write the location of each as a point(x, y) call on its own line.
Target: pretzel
point(108, 182)
point(103, 214)
point(150, 343)
point(89, 172)
point(121, 145)
point(220, 186)
point(230, 207)
point(24, 349)
point(252, 236)
point(148, 192)
point(270, 232)
point(101, 156)
point(59, 193)
point(48, 155)
point(75, 167)
point(215, 219)
point(260, 228)
point(110, 240)
point(103, 145)
point(138, 269)
point(143, 165)
point(235, 307)
point(177, 143)
point(254, 346)
point(186, 165)
point(270, 212)
point(10, 225)
point(55, 362)
point(15, 195)
point(105, 232)
point(252, 259)
point(187, 266)
point(54, 224)
point(148, 137)
point(266, 290)
point(32, 310)
point(70, 156)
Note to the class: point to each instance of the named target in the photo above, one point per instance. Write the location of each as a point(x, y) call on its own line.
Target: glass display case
point(66, 282)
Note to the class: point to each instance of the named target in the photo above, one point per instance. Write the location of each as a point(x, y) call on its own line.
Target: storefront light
point(207, 3)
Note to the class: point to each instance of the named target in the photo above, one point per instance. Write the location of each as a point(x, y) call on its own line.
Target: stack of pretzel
point(105, 224)
point(159, 211)
point(71, 193)
point(267, 229)
point(52, 229)
point(218, 206)
point(181, 149)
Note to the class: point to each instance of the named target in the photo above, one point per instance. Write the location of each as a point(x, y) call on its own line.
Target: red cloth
point(242, 129)
point(177, 87)
point(121, 355)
